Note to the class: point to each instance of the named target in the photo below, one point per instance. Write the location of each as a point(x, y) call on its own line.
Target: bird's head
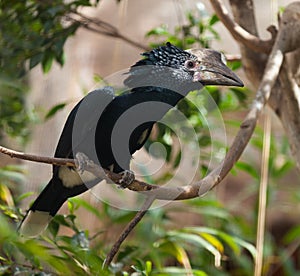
point(196, 66)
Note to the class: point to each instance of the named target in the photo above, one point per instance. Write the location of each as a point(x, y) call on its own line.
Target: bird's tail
point(43, 209)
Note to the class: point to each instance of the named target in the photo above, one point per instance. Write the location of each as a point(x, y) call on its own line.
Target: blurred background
point(231, 207)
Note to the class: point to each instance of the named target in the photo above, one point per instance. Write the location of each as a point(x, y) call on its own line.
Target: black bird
point(110, 129)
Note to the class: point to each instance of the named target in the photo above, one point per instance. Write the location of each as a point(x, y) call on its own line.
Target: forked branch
point(238, 32)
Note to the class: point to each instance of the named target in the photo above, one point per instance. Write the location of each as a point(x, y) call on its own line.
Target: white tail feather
point(34, 223)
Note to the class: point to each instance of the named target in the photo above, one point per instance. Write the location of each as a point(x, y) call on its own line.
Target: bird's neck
point(152, 93)
point(170, 97)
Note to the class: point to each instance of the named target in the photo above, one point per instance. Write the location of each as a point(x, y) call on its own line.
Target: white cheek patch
point(71, 178)
point(197, 76)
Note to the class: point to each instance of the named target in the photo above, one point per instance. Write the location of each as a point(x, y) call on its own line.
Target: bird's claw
point(127, 178)
point(82, 162)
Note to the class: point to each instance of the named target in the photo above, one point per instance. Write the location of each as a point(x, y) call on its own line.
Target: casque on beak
point(212, 70)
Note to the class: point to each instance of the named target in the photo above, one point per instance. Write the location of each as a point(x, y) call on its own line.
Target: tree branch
point(137, 218)
point(253, 62)
point(238, 32)
point(103, 28)
point(36, 158)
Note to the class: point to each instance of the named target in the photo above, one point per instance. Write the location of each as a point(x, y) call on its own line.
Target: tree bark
point(284, 100)
point(253, 62)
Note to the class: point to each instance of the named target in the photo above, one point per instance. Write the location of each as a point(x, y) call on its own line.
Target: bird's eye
point(190, 64)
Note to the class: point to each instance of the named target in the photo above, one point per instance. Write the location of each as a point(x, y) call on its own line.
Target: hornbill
point(109, 129)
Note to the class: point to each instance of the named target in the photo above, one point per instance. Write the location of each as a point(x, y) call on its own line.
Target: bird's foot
point(127, 178)
point(82, 162)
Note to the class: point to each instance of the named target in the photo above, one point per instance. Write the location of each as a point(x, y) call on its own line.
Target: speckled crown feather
point(155, 64)
point(168, 55)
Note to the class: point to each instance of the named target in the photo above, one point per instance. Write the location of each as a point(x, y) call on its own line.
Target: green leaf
point(213, 20)
point(54, 228)
point(283, 169)
point(190, 40)
point(213, 241)
point(251, 248)
point(234, 65)
point(175, 249)
point(197, 240)
point(204, 140)
point(84, 204)
point(191, 19)
point(47, 63)
point(248, 168)
point(213, 212)
point(229, 240)
point(23, 196)
point(5, 229)
point(12, 173)
point(71, 206)
point(54, 110)
point(35, 60)
point(292, 235)
point(117, 215)
point(159, 31)
point(60, 219)
point(148, 268)
point(125, 252)
point(240, 93)
point(170, 271)
point(177, 160)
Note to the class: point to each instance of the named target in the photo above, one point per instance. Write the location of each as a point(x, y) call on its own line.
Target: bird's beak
point(212, 74)
point(212, 70)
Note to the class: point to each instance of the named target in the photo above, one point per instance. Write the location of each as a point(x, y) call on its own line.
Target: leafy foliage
point(199, 31)
point(34, 32)
point(14, 115)
point(83, 253)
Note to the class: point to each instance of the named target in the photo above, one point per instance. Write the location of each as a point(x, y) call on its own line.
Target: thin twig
point(137, 218)
point(37, 158)
point(103, 28)
point(262, 206)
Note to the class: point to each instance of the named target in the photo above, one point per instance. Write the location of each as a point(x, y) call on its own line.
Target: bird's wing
point(141, 109)
point(82, 122)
